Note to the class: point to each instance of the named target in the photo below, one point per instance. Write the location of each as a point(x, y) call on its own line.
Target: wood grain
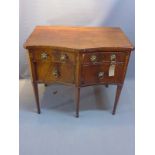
point(78, 38)
point(90, 73)
point(78, 44)
point(102, 57)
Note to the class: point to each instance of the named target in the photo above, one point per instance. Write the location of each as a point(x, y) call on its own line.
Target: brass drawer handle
point(93, 58)
point(44, 55)
point(55, 73)
point(100, 75)
point(113, 57)
point(63, 57)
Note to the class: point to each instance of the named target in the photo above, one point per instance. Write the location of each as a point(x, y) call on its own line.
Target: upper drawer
point(53, 55)
point(63, 57)
point(100, 57)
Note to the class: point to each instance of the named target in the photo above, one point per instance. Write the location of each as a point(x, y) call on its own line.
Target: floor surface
point(56, 131)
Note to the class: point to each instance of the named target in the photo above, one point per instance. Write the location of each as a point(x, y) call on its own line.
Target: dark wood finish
point(102, 57)
point(78, 38)
point(36, 94)
point(90, 74)
point(77, 101)
point(118, 92)
point(65, 72)
point(53, 55)
point(34, 80)
point(80, 56)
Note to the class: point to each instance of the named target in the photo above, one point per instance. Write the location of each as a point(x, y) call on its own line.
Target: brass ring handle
point(55, 73)
point(63, 57)
point(101, 75)
point(93, 58)
point(44, 55)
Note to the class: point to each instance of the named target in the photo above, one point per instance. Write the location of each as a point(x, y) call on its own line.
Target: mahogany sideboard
point(81, 56)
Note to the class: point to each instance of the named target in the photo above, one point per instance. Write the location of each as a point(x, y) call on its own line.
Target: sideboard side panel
point(126, 65)
point(31, 66)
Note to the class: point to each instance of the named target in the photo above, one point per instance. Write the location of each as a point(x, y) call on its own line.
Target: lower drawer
point(55, 72)
point(100, 57)
point(97, 74)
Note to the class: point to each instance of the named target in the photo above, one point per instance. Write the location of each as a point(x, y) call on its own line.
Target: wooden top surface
point(78, 38)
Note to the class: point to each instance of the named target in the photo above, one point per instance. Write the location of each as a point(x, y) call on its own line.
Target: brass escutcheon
point(63, 57)
point(100, 75)
point(44, 55)
point(113, 57)
point(93, 58)
point(55, 73)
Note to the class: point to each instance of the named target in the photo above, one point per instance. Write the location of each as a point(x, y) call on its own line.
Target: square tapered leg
point(36, 95)
point(77, 101)
point(118, 92)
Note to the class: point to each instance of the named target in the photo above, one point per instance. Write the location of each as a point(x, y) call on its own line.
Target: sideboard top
point(78, 38)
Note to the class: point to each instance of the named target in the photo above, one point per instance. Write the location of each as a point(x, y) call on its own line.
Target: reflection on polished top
point(78, 37)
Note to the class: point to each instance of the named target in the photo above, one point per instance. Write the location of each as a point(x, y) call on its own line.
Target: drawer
point(63, 57)
point(53, 55)
point(55, 72)
point(100, 57)
point(42, 54)
point(97, 74)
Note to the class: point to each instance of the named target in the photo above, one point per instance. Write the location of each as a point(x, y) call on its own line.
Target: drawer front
point(63, 57)
point(55, 72)
point(97, 74)
point(101, 57)
point(42, 55)
point(46, 55)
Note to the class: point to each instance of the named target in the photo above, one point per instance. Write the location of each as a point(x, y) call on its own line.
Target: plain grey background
point(118, 13)
point(56, 131)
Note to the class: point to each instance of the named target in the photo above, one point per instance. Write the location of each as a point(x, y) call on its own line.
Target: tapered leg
point(118, 92)
point(35, 89)
point(77, 101)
